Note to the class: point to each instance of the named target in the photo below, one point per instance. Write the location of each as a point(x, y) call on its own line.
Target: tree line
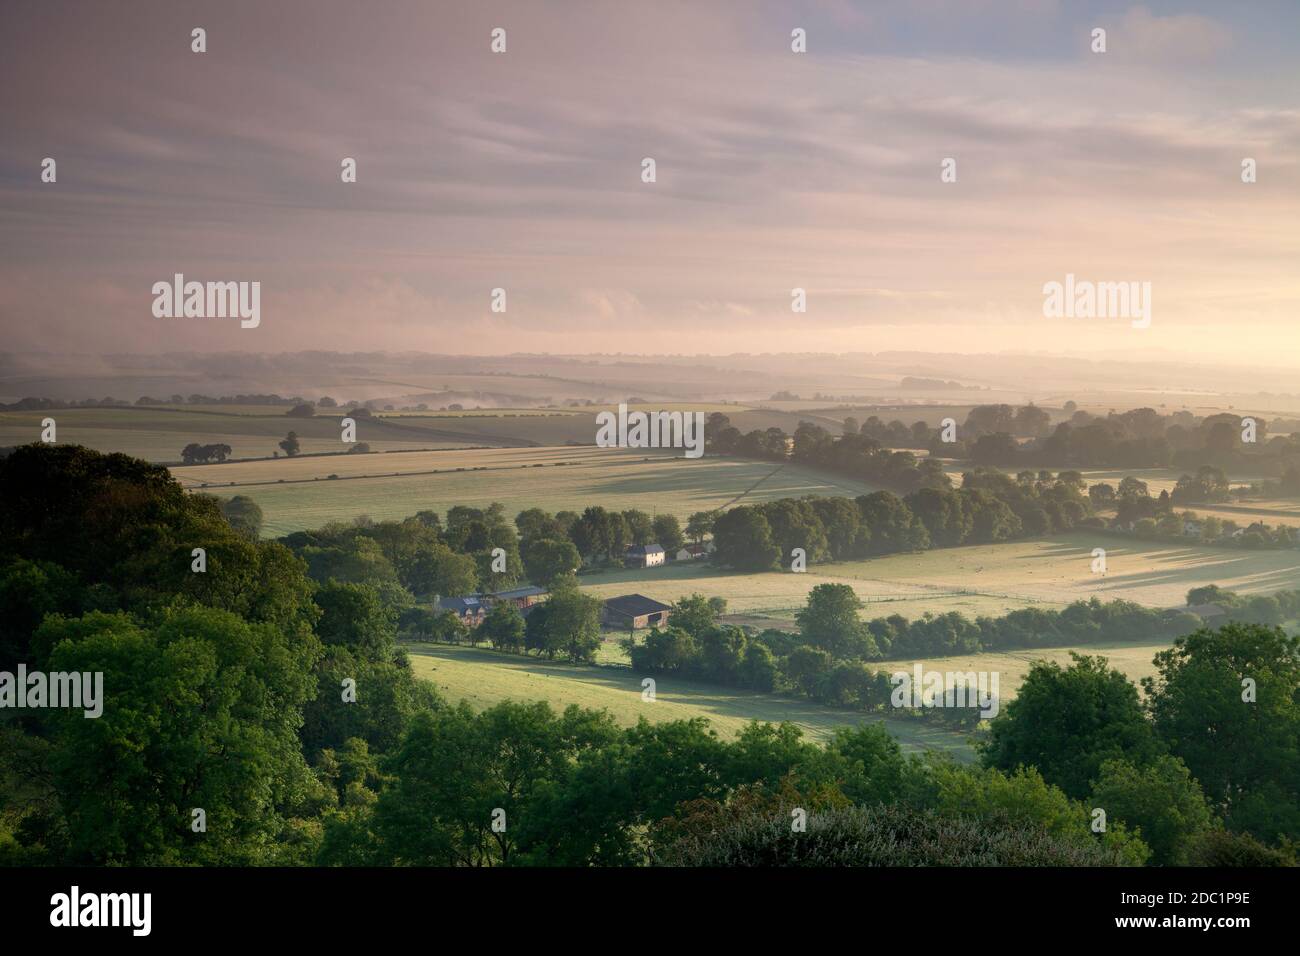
point(824, 659)
point(829, 658)
point(1153, 763)
point(989, 507)
point(1150, 517)
point(1018, 437)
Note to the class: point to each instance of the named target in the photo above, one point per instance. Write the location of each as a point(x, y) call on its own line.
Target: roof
point(529, 591)
point(637, 549)
point(1206, 610)
point(635, 605)
point(460, 604)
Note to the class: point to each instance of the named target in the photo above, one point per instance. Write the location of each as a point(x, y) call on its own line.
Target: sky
point(775, 170)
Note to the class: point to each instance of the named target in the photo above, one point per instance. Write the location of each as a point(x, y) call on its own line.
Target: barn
point(521, 598)
point(635, 611)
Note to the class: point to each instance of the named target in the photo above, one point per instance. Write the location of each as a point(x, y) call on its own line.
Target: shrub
point(1224, 848)
point(880, 836)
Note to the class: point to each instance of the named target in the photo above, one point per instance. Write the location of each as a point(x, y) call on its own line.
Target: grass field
point(159, 434)
point(1134, 661)
point(399, 463)
point(569, 478)
point(978, 579)
point(931, 414)
point(771, 599)
point(484, 677)
point(1271, 505)
point(1247, 513)
point(1157, 479)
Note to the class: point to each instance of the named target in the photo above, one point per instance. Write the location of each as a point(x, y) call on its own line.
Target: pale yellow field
point(980, 579)
point(708, 408)
point(158, 434)
point(395, 486)
point(1248, 513)
point(1157, 479)
point(480, 413)
point(770, 600)
point(396, 463)
point(1134, 661)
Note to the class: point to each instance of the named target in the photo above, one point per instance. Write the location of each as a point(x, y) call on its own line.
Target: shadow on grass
point(624, 685)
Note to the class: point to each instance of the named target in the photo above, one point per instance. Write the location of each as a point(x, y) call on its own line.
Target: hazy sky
point(775, 170)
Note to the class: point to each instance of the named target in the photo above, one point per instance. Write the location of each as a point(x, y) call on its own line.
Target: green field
point(406, 463)
point(977, 579)
point(159, 434)
point(485, 677)
point(570, 478)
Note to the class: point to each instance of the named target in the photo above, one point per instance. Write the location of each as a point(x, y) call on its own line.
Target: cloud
point(776, 170)
point(1177, 38)
point(608, 304)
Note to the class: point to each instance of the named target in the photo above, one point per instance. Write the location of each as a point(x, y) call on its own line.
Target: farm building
point(468, 608)
point(472, 608)
point(643, 556)
point(524, 597)
point(692, 552)
point(635, 611)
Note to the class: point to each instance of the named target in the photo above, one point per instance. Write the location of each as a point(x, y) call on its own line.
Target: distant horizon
point(920, 174)
point(1158, 356)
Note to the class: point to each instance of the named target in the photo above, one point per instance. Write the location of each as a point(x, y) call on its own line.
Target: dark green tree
point(1068, 721)
point(503, 627)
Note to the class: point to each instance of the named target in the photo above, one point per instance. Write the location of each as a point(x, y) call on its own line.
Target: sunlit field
point(299, 494)
point(484, 677)
point(979, 579)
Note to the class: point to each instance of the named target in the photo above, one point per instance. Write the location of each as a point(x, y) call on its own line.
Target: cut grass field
point(404, 463)
point(484, 677)
point(978, 579)
point(771, 599)
point(1134, 661)
point(569, 478)
point(1157, 479)
point(1247, 513)
point(159, 434)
